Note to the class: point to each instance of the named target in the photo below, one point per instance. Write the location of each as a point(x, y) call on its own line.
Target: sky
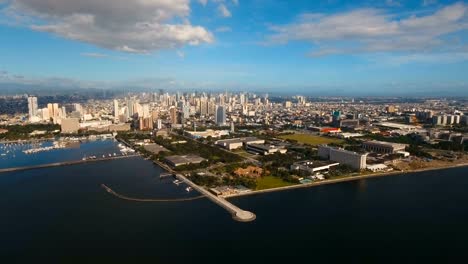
point(330, 47)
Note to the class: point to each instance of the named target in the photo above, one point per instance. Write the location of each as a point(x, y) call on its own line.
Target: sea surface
point(63, 214)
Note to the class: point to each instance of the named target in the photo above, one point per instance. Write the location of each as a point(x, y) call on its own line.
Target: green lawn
point(268, 182)
point(311, 139)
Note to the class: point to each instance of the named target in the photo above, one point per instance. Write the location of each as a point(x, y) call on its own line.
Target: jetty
point(66, 163)
point(152, 200)
point(237, 213)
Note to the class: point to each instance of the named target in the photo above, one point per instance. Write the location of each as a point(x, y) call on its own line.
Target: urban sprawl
point(241, 143)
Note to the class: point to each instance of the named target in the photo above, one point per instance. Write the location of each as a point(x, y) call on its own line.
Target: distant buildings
point(350, 158)
point(443, 120)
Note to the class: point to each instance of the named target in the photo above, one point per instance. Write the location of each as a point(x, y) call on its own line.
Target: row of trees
point(17, 132)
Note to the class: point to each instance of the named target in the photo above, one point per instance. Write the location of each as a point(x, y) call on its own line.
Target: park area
point(311, 139)
point(268, 182)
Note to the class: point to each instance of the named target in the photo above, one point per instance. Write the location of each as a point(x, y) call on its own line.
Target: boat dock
point(65, 163)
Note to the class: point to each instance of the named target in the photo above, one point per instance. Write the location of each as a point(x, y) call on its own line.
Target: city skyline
point(325, 47)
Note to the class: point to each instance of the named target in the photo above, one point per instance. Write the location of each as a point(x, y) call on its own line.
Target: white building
point(350, 158)
point(32, 107)
point(235, 143)
point(116, 110)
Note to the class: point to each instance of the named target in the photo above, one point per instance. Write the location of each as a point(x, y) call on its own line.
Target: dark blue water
point(16, 157)
point(63, 214)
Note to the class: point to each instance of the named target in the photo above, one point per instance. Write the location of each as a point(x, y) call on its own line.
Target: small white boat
point(188, 189)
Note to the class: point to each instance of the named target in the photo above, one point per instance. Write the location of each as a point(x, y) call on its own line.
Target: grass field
point(311, 139)
point(268, 182)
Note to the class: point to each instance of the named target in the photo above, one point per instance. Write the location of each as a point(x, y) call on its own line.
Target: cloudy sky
point(363, 47)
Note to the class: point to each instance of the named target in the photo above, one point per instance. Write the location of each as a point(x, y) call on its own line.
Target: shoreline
point(344, 179)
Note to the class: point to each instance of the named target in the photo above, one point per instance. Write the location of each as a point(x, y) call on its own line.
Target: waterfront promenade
point(65, 163)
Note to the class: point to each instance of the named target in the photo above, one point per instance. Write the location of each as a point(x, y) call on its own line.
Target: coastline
point(344, 179)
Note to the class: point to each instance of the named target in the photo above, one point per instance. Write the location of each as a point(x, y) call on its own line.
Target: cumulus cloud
point(373, 30)
point(223, 11)
point(137, 26)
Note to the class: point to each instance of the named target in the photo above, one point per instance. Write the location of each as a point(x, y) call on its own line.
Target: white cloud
point(203, 2)
point(223, 11)
point(372, 30)
point(138, 26)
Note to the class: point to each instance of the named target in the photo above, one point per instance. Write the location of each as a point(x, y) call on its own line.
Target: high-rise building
point(159, 124)
point(63, 113)
point(173, 115)
point(186, 111)
point(116, 110)
point(221, 115)
point(50, 107)
point(45, 114)
point(130, 108)
point(32, 107)
point(56, 110)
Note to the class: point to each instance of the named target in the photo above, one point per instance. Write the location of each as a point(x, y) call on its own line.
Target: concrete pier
point(237, 213)
point(65, 163)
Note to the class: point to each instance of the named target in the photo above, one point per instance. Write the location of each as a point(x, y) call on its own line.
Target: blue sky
point(311, 47)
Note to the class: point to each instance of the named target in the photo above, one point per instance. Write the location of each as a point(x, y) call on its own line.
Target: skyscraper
point(116, 110)
point(32, 107)
point(173, 115)
point(221, 115)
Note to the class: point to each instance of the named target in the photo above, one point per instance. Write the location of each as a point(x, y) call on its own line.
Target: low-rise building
point(176, 161)
point(70, 125)
point(235, 143)
point(154, 148)
point(313, 167)
point(250, 171)
point(208, 133)
point(266, 149)
point(350, 158)
point(383, 147)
